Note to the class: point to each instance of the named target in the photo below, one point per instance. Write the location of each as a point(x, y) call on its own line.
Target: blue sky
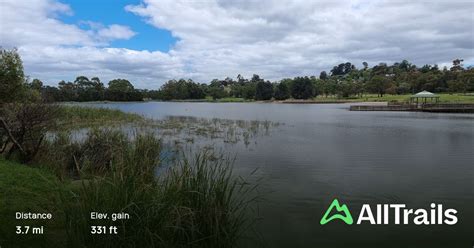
point(108, 12)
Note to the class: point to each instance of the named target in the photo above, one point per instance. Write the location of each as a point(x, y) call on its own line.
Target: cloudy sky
point(151, 41)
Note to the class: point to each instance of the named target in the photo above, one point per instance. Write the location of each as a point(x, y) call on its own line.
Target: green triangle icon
point(347, 217)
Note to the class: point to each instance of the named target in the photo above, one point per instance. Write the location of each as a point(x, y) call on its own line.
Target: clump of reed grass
point(197, 203)
point(100, 149)
point(194, 202)
point(210, 204)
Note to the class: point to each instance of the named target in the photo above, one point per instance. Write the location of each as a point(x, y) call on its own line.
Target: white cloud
point(23, 23)
point(58, 63)
point(219, 38)
point(115, 31)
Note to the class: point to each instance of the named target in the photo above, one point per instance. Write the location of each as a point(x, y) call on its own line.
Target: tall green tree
point(68, 91)
point(457, 65)
point(12, 78)
point(467, 77)
point(36, 84)
point(323, 75)
point(302, 88)
point(181, 90)
point(378, 84)
point(216, 92)
point(121, 85)
point(282, 91)
point(122, 90)
point(263, 90)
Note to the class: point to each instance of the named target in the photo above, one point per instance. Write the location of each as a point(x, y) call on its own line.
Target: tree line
point(84, 89)
point(343, 81)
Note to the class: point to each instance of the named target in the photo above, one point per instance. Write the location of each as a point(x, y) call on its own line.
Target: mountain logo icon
point(345, 216)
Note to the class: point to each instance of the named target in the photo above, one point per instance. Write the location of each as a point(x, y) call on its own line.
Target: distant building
point(424, 97)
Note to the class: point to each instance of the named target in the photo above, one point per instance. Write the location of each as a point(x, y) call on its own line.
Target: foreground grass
point(27, 189)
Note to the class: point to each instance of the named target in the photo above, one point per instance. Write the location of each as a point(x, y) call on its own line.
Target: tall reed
point(196, 202)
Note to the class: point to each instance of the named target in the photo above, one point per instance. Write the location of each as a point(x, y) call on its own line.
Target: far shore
point(250, 101)
point(292, 101)
point(365, 99)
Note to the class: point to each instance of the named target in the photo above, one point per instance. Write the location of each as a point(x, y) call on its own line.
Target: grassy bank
point(28, 189)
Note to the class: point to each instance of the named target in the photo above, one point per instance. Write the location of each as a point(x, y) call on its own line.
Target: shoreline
point(445, 98)
point(250, 101)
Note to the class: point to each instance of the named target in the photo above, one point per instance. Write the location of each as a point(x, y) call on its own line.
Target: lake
point(323, 151)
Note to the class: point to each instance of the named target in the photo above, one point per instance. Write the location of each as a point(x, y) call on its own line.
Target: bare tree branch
point(11, 137)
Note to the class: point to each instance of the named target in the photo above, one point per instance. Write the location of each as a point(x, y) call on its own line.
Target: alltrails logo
point(347, 217)
point(401, 214)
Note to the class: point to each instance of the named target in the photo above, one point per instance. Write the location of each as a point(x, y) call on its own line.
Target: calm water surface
point(324, 151)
